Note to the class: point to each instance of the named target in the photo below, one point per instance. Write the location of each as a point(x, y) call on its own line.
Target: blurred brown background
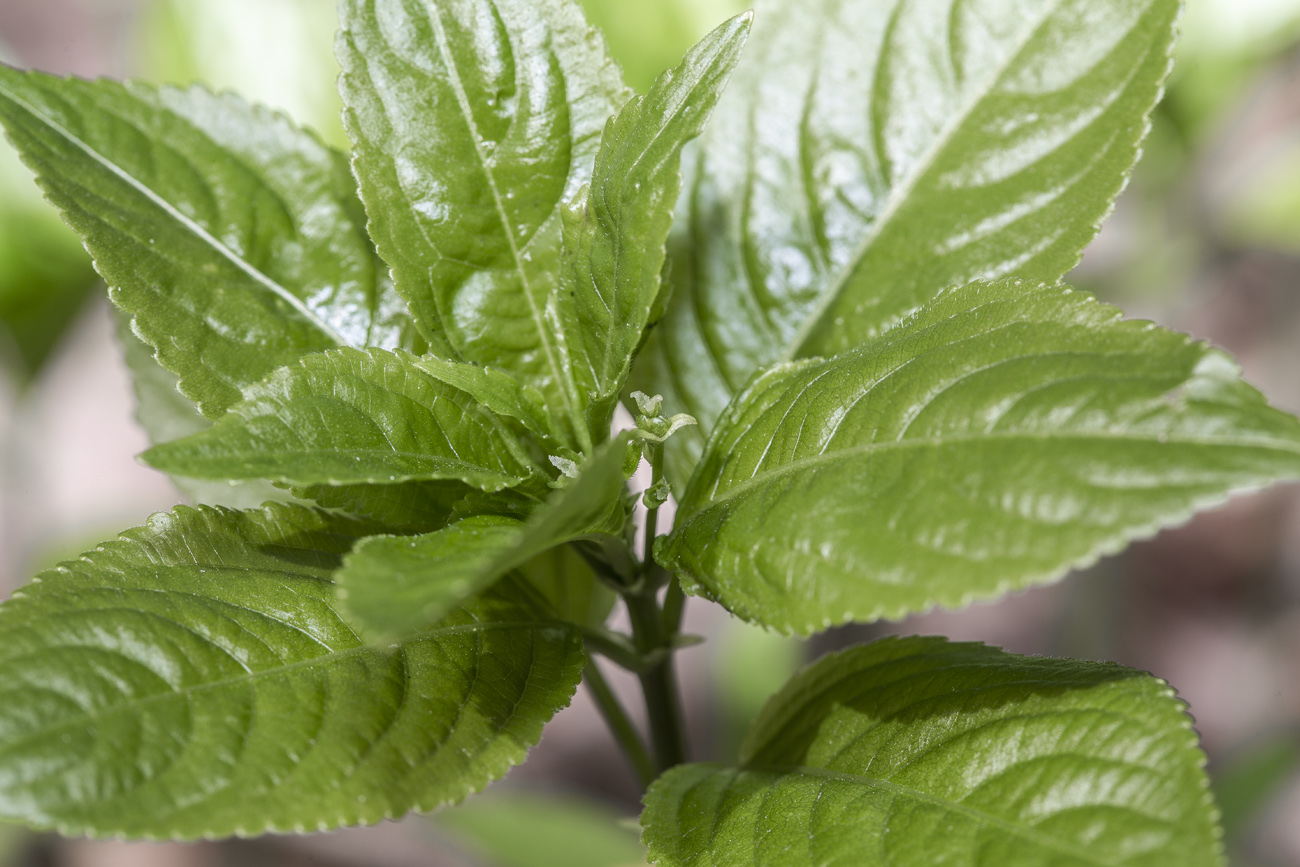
point(1206, 240)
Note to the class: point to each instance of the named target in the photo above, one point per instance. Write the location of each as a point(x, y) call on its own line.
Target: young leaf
point(497, 391)
point(473, 121)
point(233, 239)
point(351, 417)
point(870, 153)
point(614, 237)
point(392, 585)
point(192, 679)
point(921, 752)
point(1001, 436)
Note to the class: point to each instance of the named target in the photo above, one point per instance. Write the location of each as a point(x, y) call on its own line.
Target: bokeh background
point(1206, 239)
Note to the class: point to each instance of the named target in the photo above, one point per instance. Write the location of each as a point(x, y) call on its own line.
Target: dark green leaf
point(496, 390)
point(406, 508)
point(614, 235)
point(393, 585)
point(473, 121)
point(917, 752)
point(192, 679)
point(351, 417)
point(870, 153)
point(233, 239)
point(1004, 434)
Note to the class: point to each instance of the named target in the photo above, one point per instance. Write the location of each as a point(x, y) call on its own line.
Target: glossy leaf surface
point(920, 752)
point(871, 153)
point(351, 417)
point(392, 585)
point(193, 679)
point(472, 122)
point(1003, 435)
point(615, 235)
point(234, 239)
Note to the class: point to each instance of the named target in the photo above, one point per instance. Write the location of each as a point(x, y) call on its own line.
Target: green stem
point(658, 682)
point(654, 453)
point(617, 720)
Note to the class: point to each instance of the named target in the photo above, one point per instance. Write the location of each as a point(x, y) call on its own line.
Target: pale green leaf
point(472, 122)
point(350, 417)
point(234, 239)
point(917, 752)
point(166, 414)
point(614, 235)
point(193, 679)
point(1004, 434)
point(518, 829)
point(570, 587)
point(394, 585)
point(870, 153)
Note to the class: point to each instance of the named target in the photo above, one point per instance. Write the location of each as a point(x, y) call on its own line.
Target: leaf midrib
point(925, 797)
point(185, 222)
point(767, 475)
point(275, 671)
point(899, 194)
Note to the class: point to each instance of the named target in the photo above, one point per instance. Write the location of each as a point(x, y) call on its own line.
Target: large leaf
point(234, 240)
point(920, 752)
point(614, 237)
point(193, 679)
point(473, 121)
point(870, 153)
point(351, 417)
point(1004, 434)
point(393, 585)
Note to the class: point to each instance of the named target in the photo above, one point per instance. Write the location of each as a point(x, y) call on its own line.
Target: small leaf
point(472, 122)
point(1001, 436)
point(614, 236)
point(351, 417)
point(192, 679)
point(234, 239)
point(405, 509)
point(917, 752)
point(393, 585)
point(870, 153)
point(496, 390)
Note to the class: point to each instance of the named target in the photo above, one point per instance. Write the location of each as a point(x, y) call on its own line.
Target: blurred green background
point(1206, 239)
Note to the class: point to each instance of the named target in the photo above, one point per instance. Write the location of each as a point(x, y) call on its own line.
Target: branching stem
point(617, 720)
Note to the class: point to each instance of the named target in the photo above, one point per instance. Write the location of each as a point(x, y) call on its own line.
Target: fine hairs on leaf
point(819, 261)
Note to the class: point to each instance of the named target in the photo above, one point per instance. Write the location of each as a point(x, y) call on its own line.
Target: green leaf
point(234, 239)
point(570, 587)
point(614, 234)
point(350, 417)
point(1003, 435)
point(870, 153)
point(472, 122)
point(393, 585)
point(496, 390)
point(166, 414)
point(192, 679)
point(920, 752)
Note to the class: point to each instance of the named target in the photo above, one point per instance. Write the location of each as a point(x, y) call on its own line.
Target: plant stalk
point(617, 720)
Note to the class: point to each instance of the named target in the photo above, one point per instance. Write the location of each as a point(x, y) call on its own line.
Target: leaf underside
point(917, 752)
point(870, 153)
point(193, 679)
point(1001, 436)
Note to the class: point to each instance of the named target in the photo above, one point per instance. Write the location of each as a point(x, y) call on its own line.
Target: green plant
point(858, 300)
